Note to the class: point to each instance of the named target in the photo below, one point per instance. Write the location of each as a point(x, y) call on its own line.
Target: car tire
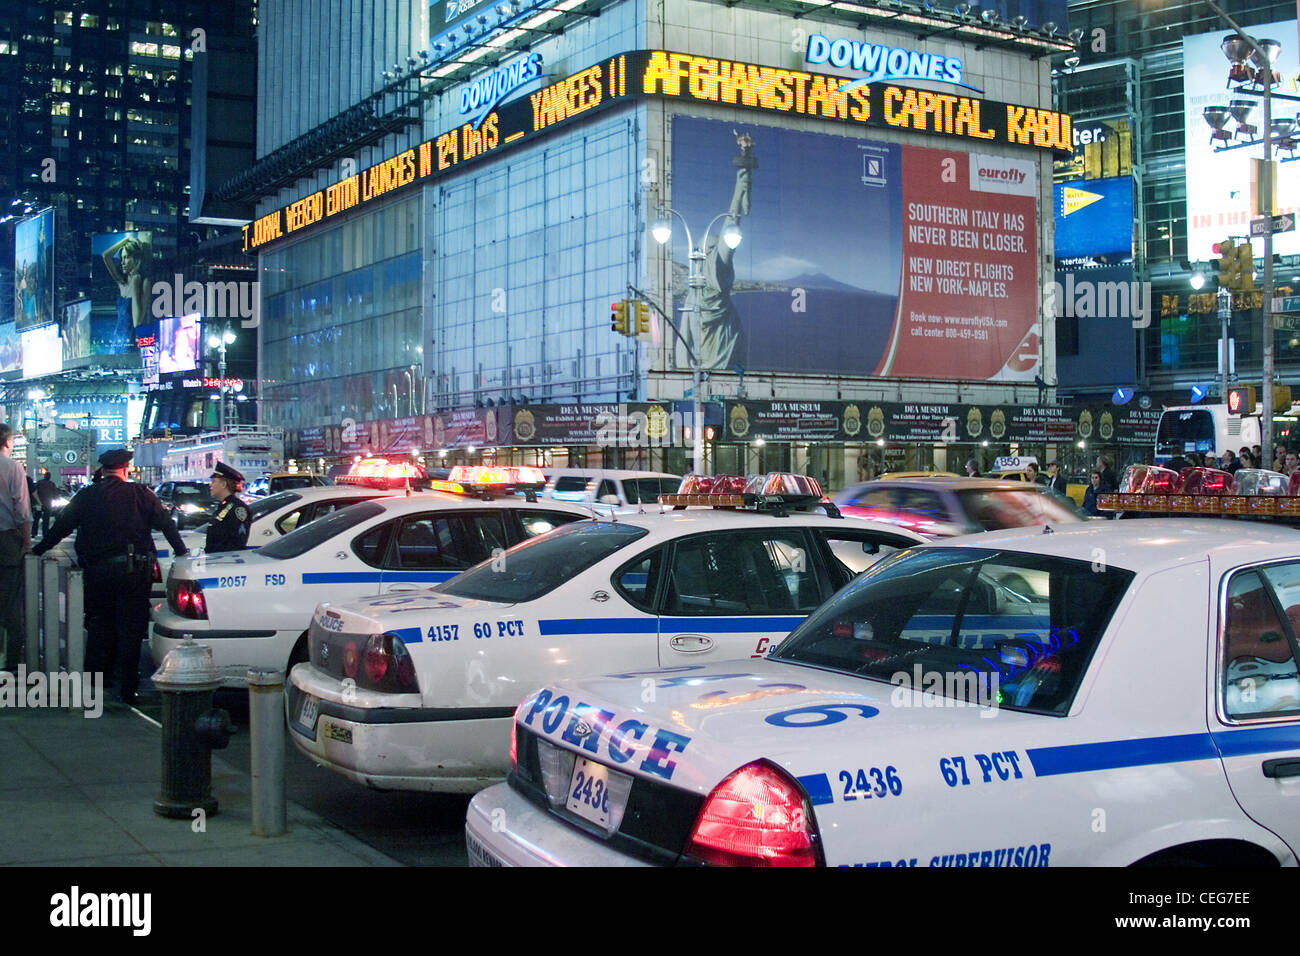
point(301, 655)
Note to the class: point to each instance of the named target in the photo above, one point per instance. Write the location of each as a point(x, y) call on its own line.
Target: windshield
point(1188, 429)
point(303, 539)
point(529, 570)
point(999, 628)
point(647, 490)
point(265, 505)
point(994, 510)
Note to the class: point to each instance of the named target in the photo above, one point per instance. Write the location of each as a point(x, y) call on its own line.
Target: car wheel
point(301, 655)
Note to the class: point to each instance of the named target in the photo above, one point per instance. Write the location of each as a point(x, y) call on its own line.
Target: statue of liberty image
point(719, 323)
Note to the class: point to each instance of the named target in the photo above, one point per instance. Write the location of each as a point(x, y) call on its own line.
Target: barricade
point(54, 600)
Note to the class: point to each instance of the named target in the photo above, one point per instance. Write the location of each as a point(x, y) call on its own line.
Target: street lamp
point(220, 342)
point(662, 230)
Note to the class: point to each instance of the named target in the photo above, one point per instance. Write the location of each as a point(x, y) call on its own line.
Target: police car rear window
point(266, 505)
point(950, 626)
point(302, 540)
point(534, 568)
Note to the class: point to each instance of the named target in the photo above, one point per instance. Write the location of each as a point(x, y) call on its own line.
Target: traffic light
point(642, 317)
point(1245, 268)
point(1228, 267)
point(1241, 400)
point(618, 320)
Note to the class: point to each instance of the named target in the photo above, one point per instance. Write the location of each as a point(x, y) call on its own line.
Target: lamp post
point(662, 231)
point(1265, 63)
point(219, 342)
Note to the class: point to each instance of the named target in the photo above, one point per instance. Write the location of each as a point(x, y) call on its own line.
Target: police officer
point(114, 519)
point(228, 530)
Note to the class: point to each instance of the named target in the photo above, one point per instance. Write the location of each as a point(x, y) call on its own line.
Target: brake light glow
point(351, 657)
point(737, 491)
point(756, 817)
point(375, 660)
point(189, 600)
point(157, 573)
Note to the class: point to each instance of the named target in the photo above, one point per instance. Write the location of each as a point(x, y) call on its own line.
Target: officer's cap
point(225, 471)
point(115, 458)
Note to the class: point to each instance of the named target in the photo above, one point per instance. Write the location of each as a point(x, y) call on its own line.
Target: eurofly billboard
point(1223, 108)
point(858, 257)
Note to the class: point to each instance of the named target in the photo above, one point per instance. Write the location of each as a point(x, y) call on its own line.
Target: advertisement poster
point(1094, 222)
point(11, 348)
point(76, 331)
point(42, 351)
point(105, 416)
point(1103, 149)
point(461, 428)
point(1223, 104)
point(34, 271)
point(178, 344)
point(857, 257)
point(120, 281)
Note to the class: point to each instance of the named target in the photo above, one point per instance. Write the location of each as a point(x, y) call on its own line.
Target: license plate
point(591, 796)
point(307, 713)
point(479, 855)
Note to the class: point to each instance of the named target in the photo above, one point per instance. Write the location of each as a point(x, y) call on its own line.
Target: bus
point(1209, 429)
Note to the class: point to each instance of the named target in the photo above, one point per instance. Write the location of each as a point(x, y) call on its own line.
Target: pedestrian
point(46, 492)
point(972, 468)
point(1109, 483)
point(1056, 480)
point(228, 530)
point(1229, 462)
point(15, 541)
point(1091, 493)
point(1246, 458)
point(1031, 473)
point(114, 519)
point(1292, 462)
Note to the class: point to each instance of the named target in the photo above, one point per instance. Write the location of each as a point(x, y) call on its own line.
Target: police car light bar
point(775, 492)
point(382, 474)
point(1251, 492)
point(488, 481)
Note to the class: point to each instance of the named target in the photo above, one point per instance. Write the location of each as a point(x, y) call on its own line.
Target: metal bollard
point(32, 605)
point(192, 728)
point(76, 624)
point(266, 725)
point(50, 612)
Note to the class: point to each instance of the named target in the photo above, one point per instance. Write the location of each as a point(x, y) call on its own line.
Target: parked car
point(943, 507)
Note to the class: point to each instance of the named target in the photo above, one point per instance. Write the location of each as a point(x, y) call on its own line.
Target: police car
point(253, 607)
point(416, 691)
point(1138, 702)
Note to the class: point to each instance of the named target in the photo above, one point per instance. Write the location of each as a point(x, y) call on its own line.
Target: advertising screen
point(1094, 222)
point(11, 348)
point(857, 257)
point(1224, 113)
point(34, 271)
point(76, 330)
point(42, 351)
point(178, 343)
point(120, 283)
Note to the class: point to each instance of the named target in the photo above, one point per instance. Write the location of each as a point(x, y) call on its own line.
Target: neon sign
point(485, 92)
point(884, 63)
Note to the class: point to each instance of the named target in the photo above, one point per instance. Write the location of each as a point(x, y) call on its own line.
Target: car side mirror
point(609, 499)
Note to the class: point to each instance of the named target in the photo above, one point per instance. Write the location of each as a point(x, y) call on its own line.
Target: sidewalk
point(79, 792)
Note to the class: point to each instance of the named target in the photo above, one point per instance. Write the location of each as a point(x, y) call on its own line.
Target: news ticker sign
point(680, 77)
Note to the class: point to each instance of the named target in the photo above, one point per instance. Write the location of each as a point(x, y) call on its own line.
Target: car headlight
point(59, 503)
point(191, 509)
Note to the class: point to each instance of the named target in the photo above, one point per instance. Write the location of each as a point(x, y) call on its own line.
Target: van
point(608, 487)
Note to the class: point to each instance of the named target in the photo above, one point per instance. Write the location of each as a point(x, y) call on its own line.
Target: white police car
point(416, 691)
point(1138, 703)
point(253, 607)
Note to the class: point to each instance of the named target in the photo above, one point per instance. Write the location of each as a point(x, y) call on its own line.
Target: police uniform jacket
point(112, 517)
point(228, 529)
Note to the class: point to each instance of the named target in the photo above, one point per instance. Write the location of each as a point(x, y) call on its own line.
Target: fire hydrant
point(191, 729)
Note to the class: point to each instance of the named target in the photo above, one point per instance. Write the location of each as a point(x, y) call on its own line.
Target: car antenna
point(1047, 529)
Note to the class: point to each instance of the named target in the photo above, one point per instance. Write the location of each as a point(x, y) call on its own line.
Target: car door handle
point(691, 643)
point(1282, 767)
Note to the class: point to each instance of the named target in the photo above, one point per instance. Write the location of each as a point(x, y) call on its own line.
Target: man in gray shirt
point(15, 541)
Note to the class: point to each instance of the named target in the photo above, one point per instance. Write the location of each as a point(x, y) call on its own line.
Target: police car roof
point(1145, 544)
point(400, 503)
point(312, 492)
point(673, 524)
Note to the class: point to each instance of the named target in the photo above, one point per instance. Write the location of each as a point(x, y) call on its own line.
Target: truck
point(251, 450)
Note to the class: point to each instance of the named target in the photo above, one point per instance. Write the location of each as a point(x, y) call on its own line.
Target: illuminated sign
point(884, 63)
point(485, 92)
point(685, 78)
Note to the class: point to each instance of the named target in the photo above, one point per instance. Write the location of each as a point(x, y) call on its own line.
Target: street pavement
point(79, 792)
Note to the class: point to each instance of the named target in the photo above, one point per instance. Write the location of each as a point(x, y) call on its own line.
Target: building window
point(89, 21)
point(63, 18)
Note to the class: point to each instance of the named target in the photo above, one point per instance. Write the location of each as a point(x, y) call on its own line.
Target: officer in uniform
point(228, 530)
point(114, 520)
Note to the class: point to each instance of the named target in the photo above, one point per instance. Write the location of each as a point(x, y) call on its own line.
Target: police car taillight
point(189, 601)
point(758, 816)
point(386, 664)
point(157, 573)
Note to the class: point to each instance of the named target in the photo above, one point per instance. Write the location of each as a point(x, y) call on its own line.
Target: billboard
point(1224, 112)
point(42, 351)
point(34, 271)
point(11, 348)
point(76, 330)
point(1094, 222)
point(857, 257)
point(178, 343)
point(120, 282)
point(1102, 149)
point(105, 416)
